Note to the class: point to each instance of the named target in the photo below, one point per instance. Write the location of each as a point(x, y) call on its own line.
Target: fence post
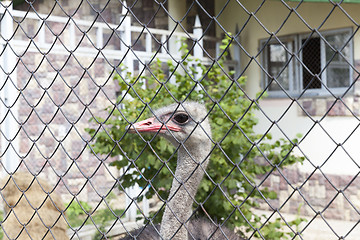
point(72, 37)
point(99, 38)
point(148, 43)
point(164, 47)
point(145, 203)
point(177, 11)
point(41, 34)
point(9, 93)
point(198, 51)
point(131, 211)
point(129, 64)
point(237, 53)
point(126, 37)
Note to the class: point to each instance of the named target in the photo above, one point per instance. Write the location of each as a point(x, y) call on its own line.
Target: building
point(303, 55)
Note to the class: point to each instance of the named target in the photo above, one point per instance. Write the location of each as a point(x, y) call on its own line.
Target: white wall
point(316, 145)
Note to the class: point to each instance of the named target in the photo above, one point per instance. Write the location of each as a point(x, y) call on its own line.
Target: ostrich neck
point(188, 175)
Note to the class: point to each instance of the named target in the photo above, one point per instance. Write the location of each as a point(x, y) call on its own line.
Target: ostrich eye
point(181, 118)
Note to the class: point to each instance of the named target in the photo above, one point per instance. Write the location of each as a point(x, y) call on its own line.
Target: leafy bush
point(241, 155)
point(78, 214)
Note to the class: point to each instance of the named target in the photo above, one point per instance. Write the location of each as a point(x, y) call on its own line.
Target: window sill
point(311, 94)
point(313, 104)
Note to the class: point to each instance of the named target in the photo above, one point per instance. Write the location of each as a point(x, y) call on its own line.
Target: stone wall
point(307, 194)
point(60, 93)
point(55, 107)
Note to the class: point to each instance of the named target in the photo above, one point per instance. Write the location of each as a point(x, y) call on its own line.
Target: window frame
point(295, 78)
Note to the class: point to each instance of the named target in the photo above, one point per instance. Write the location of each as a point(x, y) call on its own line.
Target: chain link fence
point(171, 119)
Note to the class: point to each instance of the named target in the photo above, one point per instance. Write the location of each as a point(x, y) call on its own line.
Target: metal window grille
point(74, 74)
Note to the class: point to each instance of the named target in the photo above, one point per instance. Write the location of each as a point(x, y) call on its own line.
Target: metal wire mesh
point(77, 77)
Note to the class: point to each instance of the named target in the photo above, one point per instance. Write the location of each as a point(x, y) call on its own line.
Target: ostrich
point(186, 125)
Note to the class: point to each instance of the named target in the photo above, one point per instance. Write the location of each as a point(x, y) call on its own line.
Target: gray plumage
point(200, 229)
point(185, 125)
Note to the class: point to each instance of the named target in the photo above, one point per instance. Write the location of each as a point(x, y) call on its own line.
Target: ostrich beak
point(152, 125)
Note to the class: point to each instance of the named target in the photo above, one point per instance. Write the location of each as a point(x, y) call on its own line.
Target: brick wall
point(56, 87)
point(52, 107)
point(335, 196)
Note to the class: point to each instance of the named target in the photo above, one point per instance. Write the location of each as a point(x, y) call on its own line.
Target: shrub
point(230, 191)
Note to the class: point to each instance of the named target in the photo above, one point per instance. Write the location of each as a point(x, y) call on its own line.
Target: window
point(324, 61)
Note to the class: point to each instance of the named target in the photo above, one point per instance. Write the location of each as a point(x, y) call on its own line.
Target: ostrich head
point(180, 124)
point(186, 125)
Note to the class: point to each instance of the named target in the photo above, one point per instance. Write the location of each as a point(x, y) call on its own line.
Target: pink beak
point(152, 125)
